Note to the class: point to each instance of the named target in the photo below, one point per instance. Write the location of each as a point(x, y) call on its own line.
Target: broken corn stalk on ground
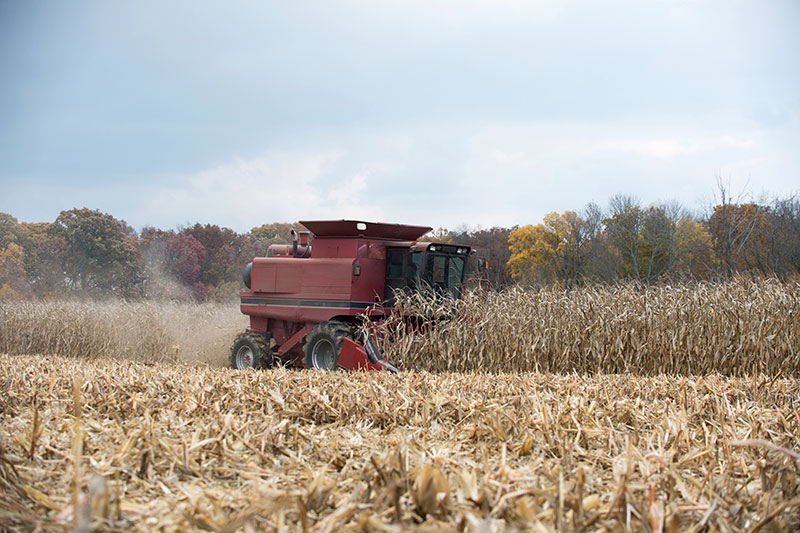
point(105, 445)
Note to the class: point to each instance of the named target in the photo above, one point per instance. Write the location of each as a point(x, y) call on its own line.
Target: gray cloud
point(438, 112)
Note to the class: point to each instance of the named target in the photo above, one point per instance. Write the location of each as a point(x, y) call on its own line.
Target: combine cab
point(305, 306)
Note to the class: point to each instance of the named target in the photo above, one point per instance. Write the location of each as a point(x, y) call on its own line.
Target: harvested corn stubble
point(109, 445)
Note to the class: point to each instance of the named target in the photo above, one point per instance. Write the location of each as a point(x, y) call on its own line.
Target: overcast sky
point(443, 113)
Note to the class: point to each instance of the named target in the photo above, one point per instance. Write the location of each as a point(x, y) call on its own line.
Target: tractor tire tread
point(333, 329)
point(261, 342)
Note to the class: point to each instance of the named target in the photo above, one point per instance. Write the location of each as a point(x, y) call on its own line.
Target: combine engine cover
point(312, 293)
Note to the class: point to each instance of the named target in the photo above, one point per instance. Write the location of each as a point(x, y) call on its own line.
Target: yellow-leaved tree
point(13, 280)
point(553, 250)
point(694, 249)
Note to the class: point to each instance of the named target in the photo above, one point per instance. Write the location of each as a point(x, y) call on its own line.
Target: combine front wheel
point(250, 350)
point(324, 344)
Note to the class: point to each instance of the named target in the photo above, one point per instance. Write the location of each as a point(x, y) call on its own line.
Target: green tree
point(602, 261)
point(623, 229)
point(645, 240)
point(259, 238)
point(275, 233)
point(657, 246)
point(102, 252)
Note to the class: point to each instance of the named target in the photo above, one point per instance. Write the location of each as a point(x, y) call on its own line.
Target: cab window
point(444, 273)
point(394, 267)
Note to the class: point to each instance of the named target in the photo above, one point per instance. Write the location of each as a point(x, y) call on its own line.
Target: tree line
point(90, 253)
point(87, 252)
point(647, 244)
point(628, 241)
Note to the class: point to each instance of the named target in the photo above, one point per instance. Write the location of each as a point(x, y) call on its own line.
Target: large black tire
point(324, 344)
point(251, 350)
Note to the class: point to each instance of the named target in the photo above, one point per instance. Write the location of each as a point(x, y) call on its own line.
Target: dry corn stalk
point(186, 448)
point(739, 328)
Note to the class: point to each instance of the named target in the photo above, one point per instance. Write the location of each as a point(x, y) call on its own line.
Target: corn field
point(738, 328)
point(671, 408)
point(106, 445)
point(144, 331)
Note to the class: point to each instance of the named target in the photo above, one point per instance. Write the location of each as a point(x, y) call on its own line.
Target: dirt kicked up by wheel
point(251, 350)
point(324, 345)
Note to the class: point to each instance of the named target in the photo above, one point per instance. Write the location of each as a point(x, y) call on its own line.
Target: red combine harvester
point(304, 306)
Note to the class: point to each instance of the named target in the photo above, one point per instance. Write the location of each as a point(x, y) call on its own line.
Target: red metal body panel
point(318, 288)
point(293, 277)
point(354, 357)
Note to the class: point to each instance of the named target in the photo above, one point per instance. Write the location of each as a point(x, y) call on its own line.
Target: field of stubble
point(112, 446)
